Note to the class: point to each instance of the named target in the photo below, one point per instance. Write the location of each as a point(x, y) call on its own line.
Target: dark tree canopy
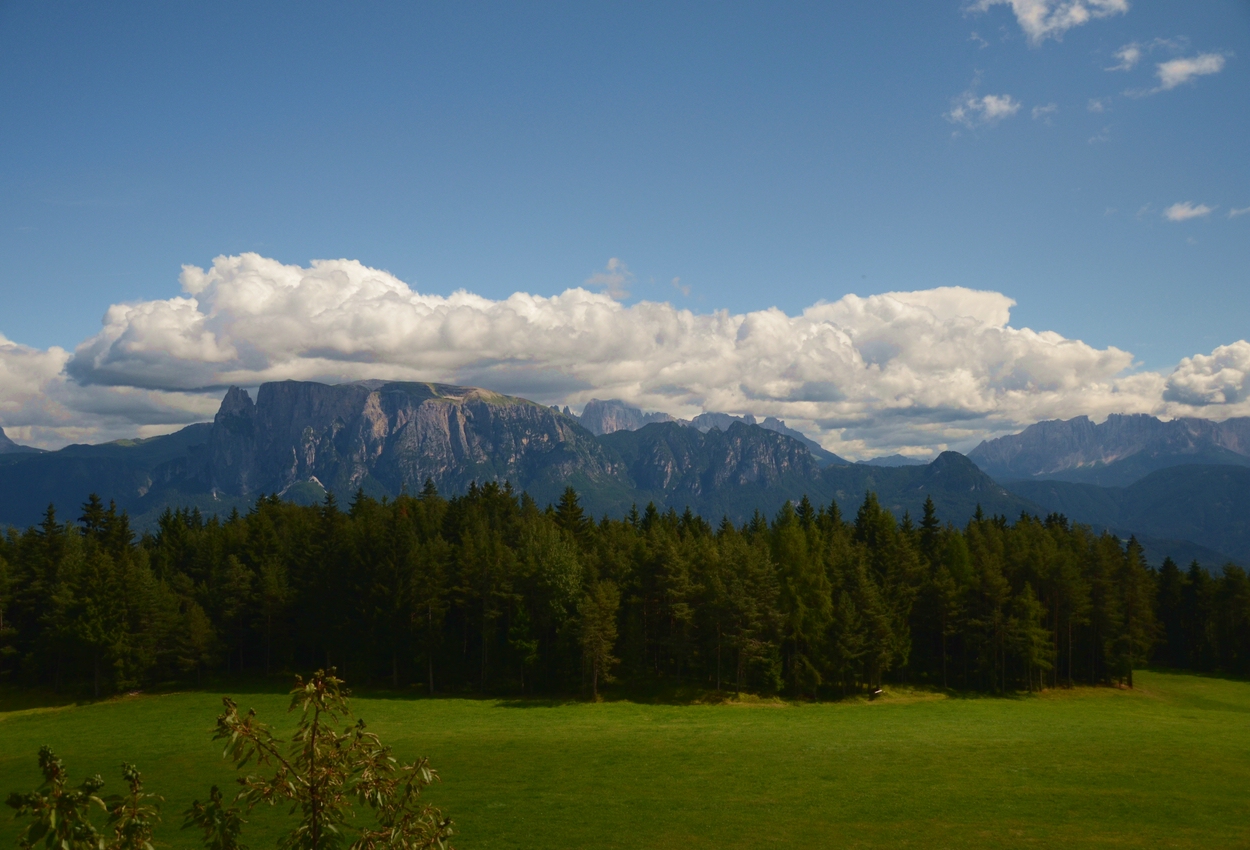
point(489, 592)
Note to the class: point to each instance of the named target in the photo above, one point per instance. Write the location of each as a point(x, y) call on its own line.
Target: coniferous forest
point(488, 592)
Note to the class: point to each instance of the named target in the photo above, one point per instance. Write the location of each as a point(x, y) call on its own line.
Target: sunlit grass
point(1166, 765)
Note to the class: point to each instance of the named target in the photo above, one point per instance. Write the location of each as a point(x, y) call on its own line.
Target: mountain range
point(606, 417)
point(1114, 453)
point(303, 439)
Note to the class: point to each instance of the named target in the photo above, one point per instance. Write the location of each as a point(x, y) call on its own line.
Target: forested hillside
point(1195, 503)
point(489, 592)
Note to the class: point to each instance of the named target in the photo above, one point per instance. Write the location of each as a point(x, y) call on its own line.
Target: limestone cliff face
point(387, 437)
point(1057, 447)
point(607, 417)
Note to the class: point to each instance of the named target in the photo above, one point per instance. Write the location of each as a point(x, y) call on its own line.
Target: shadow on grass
point(1199, 674)
point(13, 698)
point(21, 698)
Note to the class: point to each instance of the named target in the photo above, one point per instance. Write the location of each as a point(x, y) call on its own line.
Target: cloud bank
point(41, 406)
point(928, 369)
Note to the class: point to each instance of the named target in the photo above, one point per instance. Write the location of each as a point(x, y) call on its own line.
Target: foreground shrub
point(323, 774)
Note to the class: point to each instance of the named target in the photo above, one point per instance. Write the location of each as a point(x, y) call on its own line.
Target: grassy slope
point(1165, 766)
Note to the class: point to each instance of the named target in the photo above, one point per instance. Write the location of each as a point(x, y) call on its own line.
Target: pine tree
point(598, 631)
point(929, 529)
point(1135, 590)
point(323, 773)
point(1170, 600)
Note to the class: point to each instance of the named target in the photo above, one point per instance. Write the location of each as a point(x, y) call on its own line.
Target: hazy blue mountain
point(125, 471)
point(708, 421)
point(955, 483)
point(1117, 452)
point(607, 417)
point(731, 472)
point(736, 471)
point(892, 460)
point(8, 447)
point(1204, 505)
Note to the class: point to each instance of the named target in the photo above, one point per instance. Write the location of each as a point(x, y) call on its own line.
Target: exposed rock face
point(675, 460)
point(708, 421)
point(717, 473)
point(1135, 445)
point(606, 417)
point(385, 437)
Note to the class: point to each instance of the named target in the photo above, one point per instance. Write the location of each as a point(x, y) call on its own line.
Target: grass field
point(1167, 765)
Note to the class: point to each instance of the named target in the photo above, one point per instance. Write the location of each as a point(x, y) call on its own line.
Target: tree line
point(491, 593)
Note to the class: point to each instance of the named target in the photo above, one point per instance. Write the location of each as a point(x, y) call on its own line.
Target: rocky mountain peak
point(236, 403)
point(385, 437)
point(7, 446)
point(1119, 450)
point(606, 417)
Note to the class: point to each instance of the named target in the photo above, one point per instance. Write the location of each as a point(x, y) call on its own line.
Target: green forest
point(487, 592)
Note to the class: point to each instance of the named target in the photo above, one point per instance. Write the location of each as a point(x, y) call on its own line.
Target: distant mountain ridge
point(1116, 452)
point(604, 417)
point(385, 437)
point(607, 417)
point(8, 447)
point(1205, 504)
point(892, 460)
point(303, 439)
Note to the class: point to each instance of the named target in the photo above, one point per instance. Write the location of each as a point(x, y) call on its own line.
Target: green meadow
point(1165, 765)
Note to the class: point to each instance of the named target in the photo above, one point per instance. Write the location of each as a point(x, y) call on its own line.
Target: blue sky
point(762, 156)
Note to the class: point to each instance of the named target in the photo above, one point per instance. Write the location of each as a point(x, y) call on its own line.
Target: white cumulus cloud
point(915, 371)
point(1185, 210)
point(40, 406)
point(904, 370)
point(1176, 72)
point(1236, 212)
point(1220, 378)
point(972, 111)
point(1043, 19)
point(1128, 55)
